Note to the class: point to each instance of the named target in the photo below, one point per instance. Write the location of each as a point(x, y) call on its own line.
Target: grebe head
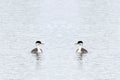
point(38, 43)
point(80, 43)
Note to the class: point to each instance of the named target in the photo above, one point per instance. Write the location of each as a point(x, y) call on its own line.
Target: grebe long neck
point(38, 48)
point(79, 49)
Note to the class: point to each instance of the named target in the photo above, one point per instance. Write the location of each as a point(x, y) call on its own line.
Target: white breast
point(79, 49)
point(38, 48)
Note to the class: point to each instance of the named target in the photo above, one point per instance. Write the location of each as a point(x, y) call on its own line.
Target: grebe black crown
point(80, 42)
point(38, 42)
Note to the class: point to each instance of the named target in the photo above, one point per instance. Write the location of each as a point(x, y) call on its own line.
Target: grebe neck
point(38, 48)
point(79, 49)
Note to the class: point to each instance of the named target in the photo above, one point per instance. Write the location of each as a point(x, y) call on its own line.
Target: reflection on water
point(79, 55)
point(37, 57)
point(38, 63)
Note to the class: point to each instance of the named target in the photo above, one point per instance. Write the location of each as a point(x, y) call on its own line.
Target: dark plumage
point(80, 42)
point(35, 51)
point(83, 51)
point(38, 42)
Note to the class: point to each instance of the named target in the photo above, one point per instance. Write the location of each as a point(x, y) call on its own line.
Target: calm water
point(59, 24)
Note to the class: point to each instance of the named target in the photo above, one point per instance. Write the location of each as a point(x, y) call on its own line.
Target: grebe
point(37, 50)
point(81, 50)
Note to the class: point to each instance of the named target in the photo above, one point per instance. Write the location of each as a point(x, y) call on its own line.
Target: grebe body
point(37, 50)
point(81, 50)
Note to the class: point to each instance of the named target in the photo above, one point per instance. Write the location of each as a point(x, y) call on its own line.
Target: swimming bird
point(81, 50)
point(37, 50)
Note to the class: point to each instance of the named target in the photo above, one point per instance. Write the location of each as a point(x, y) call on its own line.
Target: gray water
point(59, 24)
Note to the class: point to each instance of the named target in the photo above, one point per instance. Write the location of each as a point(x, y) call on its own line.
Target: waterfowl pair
point(80, 50)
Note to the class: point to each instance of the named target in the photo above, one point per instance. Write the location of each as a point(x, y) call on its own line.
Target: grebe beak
point(42, 43)
point(76, 43)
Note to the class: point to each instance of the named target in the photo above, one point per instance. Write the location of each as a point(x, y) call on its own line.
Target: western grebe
point(37, 50)
point(81, 50)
